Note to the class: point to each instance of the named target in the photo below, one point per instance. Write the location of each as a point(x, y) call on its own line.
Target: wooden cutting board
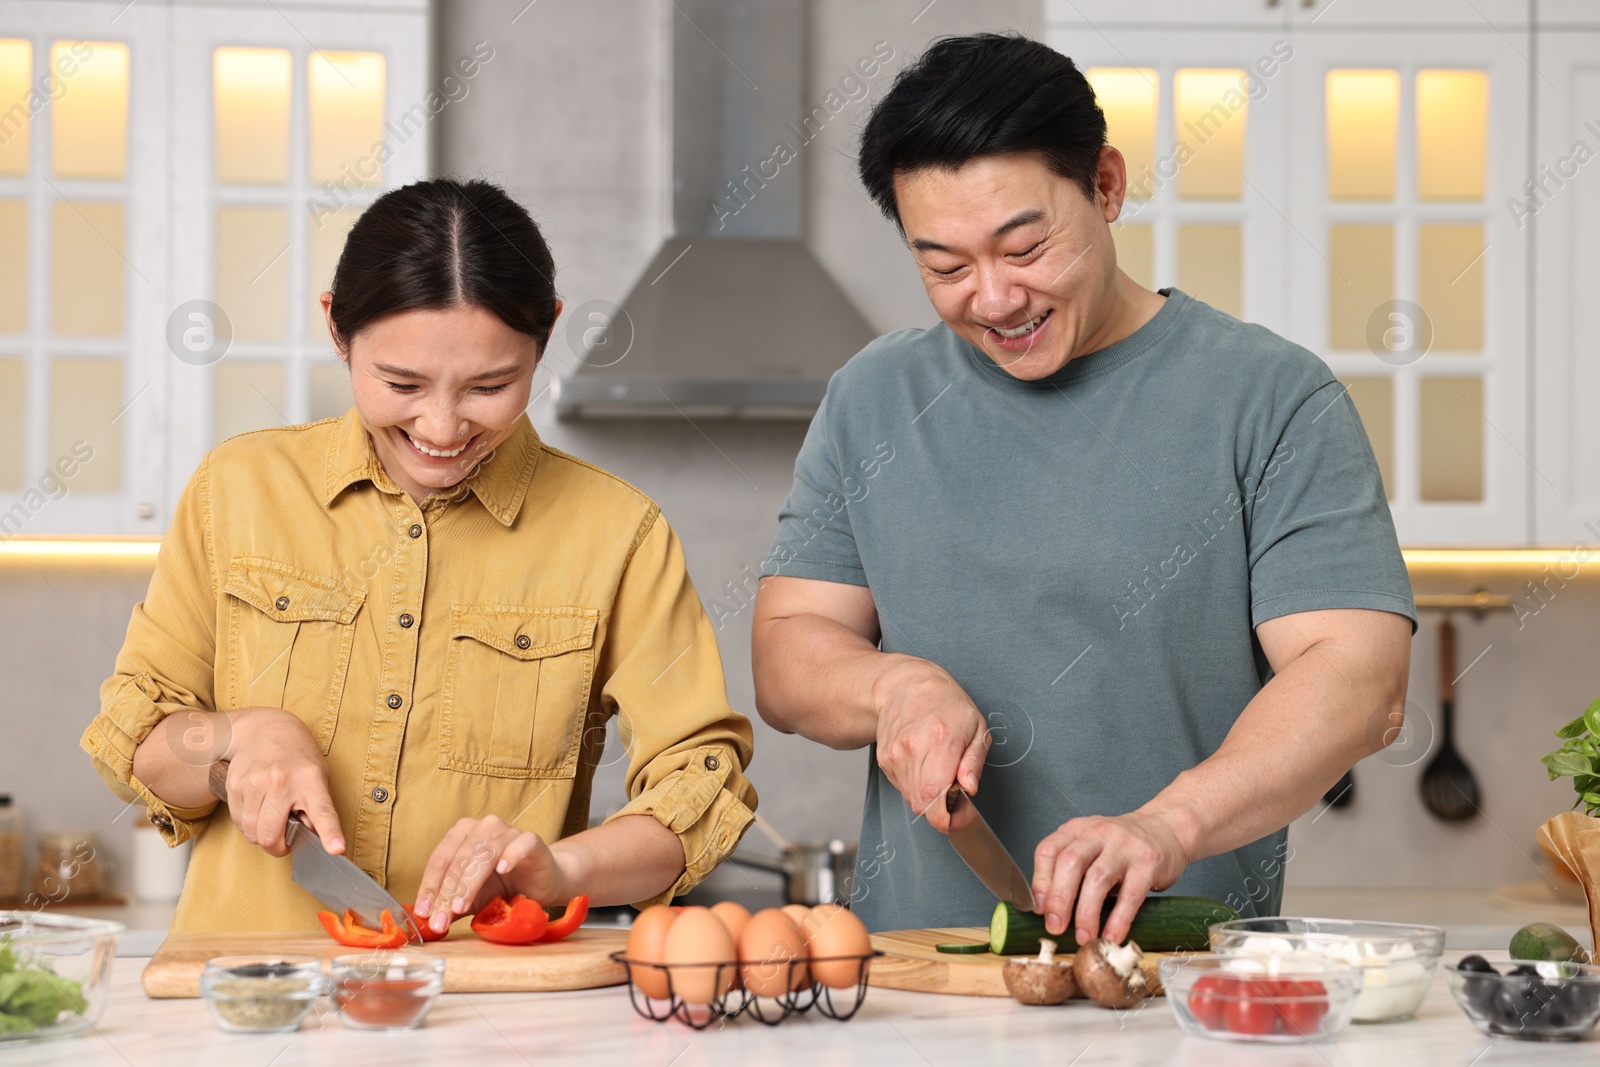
point(911, 962)
point(472, 965)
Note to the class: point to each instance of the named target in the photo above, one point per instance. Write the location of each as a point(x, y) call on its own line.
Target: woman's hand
point(274, 768)
point(480, 859)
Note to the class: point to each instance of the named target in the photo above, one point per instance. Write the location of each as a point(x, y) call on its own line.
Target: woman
point(418, 611)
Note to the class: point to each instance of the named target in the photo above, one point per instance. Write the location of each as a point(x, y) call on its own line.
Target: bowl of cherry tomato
point(1268, 1001)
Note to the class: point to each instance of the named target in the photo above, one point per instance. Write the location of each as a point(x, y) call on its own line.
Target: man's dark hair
point(987, 94)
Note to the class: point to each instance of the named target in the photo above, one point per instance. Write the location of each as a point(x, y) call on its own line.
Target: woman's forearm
point(624, 861)
point(174, 760)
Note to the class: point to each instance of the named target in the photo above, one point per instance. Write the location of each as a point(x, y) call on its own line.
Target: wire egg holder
point(737, 1000)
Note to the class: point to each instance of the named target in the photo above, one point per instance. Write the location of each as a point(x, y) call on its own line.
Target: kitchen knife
point(976, 844)
point(334, 880)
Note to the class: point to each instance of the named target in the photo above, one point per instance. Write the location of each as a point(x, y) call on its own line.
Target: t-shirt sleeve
point(1320, 533)
point(814, 538)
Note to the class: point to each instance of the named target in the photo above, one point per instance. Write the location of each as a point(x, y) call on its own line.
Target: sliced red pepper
point(519, 921)
point(570, 920)
point(428, 933)
point(349, 931)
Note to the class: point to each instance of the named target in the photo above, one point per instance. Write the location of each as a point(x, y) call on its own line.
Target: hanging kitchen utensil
point(1448, 787)
point(1342, 792)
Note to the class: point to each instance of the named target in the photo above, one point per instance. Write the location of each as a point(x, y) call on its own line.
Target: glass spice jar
point(69, 866)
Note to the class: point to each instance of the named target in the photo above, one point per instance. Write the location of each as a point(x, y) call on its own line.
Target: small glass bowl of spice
point(385, 990)
point(261, 994)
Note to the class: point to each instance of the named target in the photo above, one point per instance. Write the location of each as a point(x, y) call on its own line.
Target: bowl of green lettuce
point(55, 971)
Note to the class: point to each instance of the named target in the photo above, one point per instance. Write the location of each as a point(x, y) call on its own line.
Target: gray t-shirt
point(1088, 555)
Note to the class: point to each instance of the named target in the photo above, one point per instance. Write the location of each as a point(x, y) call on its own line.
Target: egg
point(733, 916)
point(646, 940)
point(702, 956)
point(769, 942)
point(833, 931)
point(798, 914)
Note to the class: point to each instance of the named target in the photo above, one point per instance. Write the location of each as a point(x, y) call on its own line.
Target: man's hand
point(930, 734)
point(1089, 858)
point(274, 768)
point(480, 859)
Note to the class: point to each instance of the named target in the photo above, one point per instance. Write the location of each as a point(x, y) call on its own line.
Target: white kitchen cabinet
point(1448, 15)
point(1561, 214)
point(1406, 273)
point(1072, 14)
point(180, 160)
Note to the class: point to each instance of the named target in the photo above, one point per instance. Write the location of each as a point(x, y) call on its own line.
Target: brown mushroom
point(1109, 974)
point(1039, 980)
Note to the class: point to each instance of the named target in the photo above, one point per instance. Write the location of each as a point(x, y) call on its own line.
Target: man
point(1118, 559)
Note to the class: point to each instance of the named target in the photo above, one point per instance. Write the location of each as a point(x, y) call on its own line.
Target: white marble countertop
point(600, 1029)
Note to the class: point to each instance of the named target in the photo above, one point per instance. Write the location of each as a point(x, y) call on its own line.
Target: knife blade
point(982, 851)
point(334, 880)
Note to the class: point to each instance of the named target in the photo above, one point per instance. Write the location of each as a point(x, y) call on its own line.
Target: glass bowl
point(59, 968)
point(1397, 960)
point(385, 990)
point(1546, 1002)
point(1264, 1001)
point(261, 994)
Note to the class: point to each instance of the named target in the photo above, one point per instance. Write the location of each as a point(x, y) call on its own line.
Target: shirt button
point(282, 603)
point(523, 641)
point(406, 621)
point(415, 531)
point(394, 700)
point(380, 794)
point(712, 763)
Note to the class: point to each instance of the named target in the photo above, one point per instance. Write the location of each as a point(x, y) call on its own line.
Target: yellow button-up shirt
point(455, 658)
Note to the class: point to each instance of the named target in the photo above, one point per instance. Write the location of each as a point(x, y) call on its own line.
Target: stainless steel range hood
point(734, 317)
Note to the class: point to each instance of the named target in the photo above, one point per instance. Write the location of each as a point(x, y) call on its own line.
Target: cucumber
point(1546, 941)
point(963, 948)
point(1163, 924)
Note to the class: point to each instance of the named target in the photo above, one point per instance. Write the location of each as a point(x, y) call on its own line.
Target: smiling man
point(1114, 562)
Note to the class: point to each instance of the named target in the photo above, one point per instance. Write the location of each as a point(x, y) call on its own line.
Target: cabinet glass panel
point(1450, 420)
point(251, 100)
point(1452, 134)
point(13, 422)
point(330, 389)
point(1363, 121)
point(249, 396)
point(89, 121)
point(1360, 280)
point(1128, 96)
point(13, 266)
point(86, 405)
point(16, 74)
point(1374, 401)
point(1209, 111)
point(346, 98)
point(87, 269)
point(1210, 264)
point(1450, 258)
point(328, 230)
point(1136, 252)
point(253, 271)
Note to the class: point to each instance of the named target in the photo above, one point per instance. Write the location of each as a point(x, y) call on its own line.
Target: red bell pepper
point(570, 920)
point(428, 933)
point(519, 921)
point(350, 932)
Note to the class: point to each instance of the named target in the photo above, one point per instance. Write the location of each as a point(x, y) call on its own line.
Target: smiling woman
point(412, 623)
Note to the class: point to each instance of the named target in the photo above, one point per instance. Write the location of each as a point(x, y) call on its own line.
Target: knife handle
point(953, 798)
point(217, 779)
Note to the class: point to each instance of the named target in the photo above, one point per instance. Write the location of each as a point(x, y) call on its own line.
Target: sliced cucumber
point(963, 948)
point(1162, 924)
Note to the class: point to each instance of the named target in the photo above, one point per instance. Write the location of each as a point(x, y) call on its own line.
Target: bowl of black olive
point(1534, 1001)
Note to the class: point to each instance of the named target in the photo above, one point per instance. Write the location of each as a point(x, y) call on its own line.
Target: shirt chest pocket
point(516, 690)
point(290, 635)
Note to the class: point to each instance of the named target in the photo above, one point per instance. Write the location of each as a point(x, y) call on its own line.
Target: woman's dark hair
point(987, 94)
point(441, 243)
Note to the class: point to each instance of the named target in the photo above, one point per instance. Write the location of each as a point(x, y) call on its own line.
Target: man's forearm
point(815, 677)
point(1306, 727)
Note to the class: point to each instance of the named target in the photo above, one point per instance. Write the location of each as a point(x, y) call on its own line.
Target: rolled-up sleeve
point(166, 663)
point(662, 677)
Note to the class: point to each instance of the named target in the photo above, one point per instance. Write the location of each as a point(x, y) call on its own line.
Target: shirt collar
point(500, 481)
